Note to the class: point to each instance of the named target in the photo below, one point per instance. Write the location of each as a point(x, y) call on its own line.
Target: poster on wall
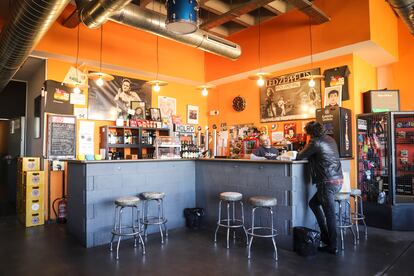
point(114, 97)
point(288, 97)
point(86, 137)
point(57, 98)
point(333, 96)
point(192, 114)
point(168, 106)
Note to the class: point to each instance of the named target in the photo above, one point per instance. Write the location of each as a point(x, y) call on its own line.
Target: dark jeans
point(324, 199)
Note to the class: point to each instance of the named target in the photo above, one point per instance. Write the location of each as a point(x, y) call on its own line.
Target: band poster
point(288, 97)
point(114, 98)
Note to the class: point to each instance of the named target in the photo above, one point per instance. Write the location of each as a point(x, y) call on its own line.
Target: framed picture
point(289, 97)
point(155, 114)
point(139, 109)
point(333, 96)
point(192, 114)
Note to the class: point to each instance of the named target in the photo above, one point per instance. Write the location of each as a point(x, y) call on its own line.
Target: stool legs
point(159, 219)
point(348, 221)
point(361, 210)
point(359, 215)
point(272, 230)
point(231, 218)
point(340, 225)
point(356, 216)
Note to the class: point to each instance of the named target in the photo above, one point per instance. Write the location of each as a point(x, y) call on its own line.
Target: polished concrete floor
point(49, 250)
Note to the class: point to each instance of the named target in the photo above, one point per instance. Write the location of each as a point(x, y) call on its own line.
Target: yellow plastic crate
point(28, 164)
point(33, 213)
point(33, 178)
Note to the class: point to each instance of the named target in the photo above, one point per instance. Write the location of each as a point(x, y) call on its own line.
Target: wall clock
point(239, 103)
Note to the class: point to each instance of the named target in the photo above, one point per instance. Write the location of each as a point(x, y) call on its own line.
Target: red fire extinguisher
point(61, 209)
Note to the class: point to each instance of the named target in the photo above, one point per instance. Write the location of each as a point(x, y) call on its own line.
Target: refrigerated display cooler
point(385, 168)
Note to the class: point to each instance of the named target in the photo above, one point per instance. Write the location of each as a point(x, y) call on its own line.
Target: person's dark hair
point(333, 92)
point(314, 129)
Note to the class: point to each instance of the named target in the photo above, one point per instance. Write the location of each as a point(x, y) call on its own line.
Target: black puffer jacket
point(322, 153)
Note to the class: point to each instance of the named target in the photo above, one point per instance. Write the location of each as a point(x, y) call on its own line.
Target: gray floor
point(49, 250)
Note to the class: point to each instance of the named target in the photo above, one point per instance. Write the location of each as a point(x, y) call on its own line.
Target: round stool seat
point(127, 201)
point(263, 201)
point(231, 196)
point(153, 195)
point(355, 192)
point(342, 196)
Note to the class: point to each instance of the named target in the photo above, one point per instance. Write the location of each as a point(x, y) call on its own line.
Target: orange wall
point(127, 47)
point(287, 37)
point(383, 26)
point(398, 75)
point(184, 95)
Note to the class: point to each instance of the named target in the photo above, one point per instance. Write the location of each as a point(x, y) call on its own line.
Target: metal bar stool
point(233, 222)
point(358, 214)
point(269, 232)
point(121, 230)
point(160, 219)
point(344, 216)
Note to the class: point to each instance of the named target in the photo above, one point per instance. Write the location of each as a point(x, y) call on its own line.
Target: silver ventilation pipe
point(405, 9)
point(145, 20)
point(29, 22)
point(96, 13)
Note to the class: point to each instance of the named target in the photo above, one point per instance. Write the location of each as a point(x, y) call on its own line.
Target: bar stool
point(269, 232)
point(233, 222)
point(126, 230)
point(343, 216)
point(358, 213)
point(160, 219)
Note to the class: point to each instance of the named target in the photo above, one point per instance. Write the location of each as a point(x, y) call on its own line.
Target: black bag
point(306, 241)
point(193, 217)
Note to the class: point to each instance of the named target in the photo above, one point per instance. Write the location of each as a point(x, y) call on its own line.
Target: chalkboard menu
point(61, 137)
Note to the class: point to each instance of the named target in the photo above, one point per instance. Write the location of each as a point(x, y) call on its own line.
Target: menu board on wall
point(61, 142)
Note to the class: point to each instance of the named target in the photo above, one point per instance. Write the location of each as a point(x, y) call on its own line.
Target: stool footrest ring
point(272, 232)
point(234, 223)
point(153, 221)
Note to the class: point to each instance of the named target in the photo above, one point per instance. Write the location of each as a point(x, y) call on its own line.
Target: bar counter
point(94, 185)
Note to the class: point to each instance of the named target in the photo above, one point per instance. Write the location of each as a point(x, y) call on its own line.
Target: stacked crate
point(30, 191)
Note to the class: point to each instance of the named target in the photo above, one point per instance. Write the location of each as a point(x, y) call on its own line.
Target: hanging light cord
point(101, 47)
point(310, 39)
point(77, 53)
point(260, 68)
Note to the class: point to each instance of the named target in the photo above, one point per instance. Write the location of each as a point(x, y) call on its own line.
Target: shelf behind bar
point(123, 146)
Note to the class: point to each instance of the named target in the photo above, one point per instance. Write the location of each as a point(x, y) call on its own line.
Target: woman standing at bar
point(322, 153)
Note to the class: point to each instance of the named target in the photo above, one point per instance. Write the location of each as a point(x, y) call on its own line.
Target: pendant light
point(156, 84)
point(204, 89)
point(311, 78)
point(260, 77)
point(100, 77)
point(77, 84)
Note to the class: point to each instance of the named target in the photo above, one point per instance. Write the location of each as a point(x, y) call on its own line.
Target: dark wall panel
point(13, 100)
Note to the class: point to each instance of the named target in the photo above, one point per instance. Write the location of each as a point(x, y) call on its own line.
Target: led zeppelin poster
point(288, 97)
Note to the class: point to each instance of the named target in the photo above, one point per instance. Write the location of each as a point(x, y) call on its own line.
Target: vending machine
point(337, 122)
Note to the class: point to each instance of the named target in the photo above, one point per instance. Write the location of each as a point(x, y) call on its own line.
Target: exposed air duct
point(133, 16)
point(96, 13)
point(29, 21)
point(405, 9)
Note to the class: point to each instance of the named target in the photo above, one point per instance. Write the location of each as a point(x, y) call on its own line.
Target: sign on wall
point(114, 97)
point(288, 97)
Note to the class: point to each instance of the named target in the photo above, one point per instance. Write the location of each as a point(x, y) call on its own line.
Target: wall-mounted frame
point(155, 114)
point(139, 109)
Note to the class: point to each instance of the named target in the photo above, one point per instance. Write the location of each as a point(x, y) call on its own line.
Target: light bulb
point(156, 88)
point(76, 90)
point(260, 81)
point(204, 92)
point(311, 83)
point(99, 82)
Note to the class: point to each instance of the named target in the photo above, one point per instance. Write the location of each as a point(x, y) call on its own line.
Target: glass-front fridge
point(385, 168)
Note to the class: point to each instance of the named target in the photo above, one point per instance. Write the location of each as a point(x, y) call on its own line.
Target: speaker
point(381, 101)
point(337, 122)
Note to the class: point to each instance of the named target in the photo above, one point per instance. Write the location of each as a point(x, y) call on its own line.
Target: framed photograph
point(192, 114)
point(139, 109)
point(333, 96)
point(289, 97)
point(155, 114)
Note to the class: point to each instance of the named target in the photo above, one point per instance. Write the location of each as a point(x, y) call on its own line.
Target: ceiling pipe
point(405, 9)
point(149, 21)
point(29, 22)
point(96, 13)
